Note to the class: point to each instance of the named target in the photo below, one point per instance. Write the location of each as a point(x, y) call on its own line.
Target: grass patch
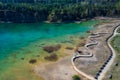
point(76, 77)
point(118, 30)
point(115, 70)
point(116, 43)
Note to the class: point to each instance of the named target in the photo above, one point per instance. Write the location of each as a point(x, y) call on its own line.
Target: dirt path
point(113, 57)
point(107, 66)
point(63, 70)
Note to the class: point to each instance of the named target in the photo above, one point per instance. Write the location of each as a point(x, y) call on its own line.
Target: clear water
point(26, 41)
point(14, 36)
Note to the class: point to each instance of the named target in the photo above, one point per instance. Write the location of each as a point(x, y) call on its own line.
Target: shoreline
point(37, 69)
point(63, 62)
point(72, 21)
point(102, 74)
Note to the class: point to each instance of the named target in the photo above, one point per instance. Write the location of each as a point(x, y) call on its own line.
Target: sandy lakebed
point(63, 70)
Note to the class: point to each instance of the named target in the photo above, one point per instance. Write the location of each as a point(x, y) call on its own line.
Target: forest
point(58, 12)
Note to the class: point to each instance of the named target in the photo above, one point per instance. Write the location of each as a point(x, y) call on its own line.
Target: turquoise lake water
point(26, 40)
point(14, 36)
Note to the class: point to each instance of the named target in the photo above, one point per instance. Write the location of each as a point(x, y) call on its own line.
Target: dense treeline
point(24, 12)
point(57, 1)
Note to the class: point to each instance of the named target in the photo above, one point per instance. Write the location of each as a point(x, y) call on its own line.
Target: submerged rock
point(51, 49)
point(90, 32)
point(81, 37)
point(67, 41)
point(52, 57)
point(22, 58)
point(37, 55)
point(69, 48)
point(32, 61)
point(81, 44)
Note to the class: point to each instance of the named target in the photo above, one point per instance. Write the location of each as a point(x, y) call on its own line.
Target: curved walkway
point(113, 54)
point(107, 66)
point(85, 56)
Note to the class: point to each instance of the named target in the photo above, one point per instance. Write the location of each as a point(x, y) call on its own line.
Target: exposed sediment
point(101, 54)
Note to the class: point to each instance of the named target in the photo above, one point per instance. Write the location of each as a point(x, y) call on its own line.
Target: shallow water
point(26, 40)
point(14, 36)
